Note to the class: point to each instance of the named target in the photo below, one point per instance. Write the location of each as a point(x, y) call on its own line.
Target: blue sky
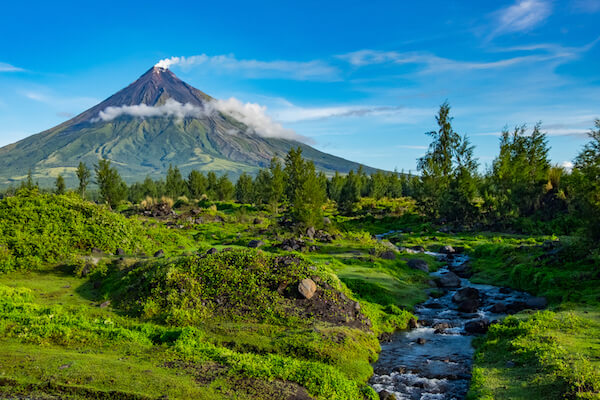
point(362, 80)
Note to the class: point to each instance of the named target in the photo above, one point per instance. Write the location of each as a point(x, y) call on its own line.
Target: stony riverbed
point(433, 360)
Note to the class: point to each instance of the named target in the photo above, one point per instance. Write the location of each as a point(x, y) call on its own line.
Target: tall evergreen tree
point(175, 185)
point(60, 186)
point(244, 189)
point(112, 188)
point(197, 184)
point(224, 188)
point(350, 193)
point(83, 175)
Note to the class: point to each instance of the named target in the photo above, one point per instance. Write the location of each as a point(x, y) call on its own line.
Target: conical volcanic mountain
point(156, 121)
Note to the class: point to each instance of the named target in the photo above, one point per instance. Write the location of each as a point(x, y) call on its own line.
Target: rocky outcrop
point(418, 264)
point(307, 288)
point(448, 280)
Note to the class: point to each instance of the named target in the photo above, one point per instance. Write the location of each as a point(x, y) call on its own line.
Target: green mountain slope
point(146, 146)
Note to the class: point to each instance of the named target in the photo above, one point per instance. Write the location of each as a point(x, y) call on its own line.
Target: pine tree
point(306, 191)
point(197, 184)
point(175, 185)
point(112, 188)
point(224, 188)
point(83, 174)
point(60, 186)
point(350, 193)
point(334, 186)
point(244, 189)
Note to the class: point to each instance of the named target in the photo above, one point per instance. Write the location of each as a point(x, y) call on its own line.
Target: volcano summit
point(156, 121)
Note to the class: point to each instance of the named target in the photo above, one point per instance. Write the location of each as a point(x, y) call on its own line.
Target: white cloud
point(568, 165)
point(435, 64)
point(171, 108)
point(293, 113)
point(297, 70)
point(4, 67)
point(522, 16)
point(253, 115)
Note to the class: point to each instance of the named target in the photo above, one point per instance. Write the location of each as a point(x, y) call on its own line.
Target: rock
point(477, 326)
point(96, 284)
point(510, 364)
point(417, 263)
point(449, 280)
point(307, 288)
point(356, 306)
point(536, 303)
point(421, 341)
point(388, 255)
point(505, 290)
point(326, 221)
point(467, 293)
point(96, 250)
point(550, 244)
point(254, 244)
point(212, 251)
point(459, 249)
point(447, 249)
point(120, 252)
point(105, 304)
point(498, 308)
point(257, 221)
point(412, 323)
point(159, 253)
point(515, 307)
point(310, 232)
point(441, 325)
point(65, 366)
point(463, 270)
point(419, 249)
point(385, 395)
point(469, 305)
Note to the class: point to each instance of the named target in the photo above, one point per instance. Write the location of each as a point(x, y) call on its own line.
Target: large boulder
point(385, 395)
point(467, 293)
point(478, 326)
point(310, 232)
point(417, 263)
point(498, 308)
point(468, 305)
point(307, 288)
point(388, 255)
point(448, 280)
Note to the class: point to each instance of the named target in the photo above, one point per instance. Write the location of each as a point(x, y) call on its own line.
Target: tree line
point(520, 190)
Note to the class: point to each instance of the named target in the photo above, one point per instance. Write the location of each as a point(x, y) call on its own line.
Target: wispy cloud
point(292, 113)
point(522, 16)
point(253, 115)
point(4, 67)
point(297, 70)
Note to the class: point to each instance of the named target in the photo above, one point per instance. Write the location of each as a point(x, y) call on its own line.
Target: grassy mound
point(232, 285)
point(44, 229)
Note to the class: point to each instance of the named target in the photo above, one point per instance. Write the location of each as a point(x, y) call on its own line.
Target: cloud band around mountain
point(252, 115)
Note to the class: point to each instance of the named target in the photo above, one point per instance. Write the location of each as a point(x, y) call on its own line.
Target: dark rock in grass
point(120, 252)
point(459, 249)
point(212, 250)
point(536, 303)
point(467, 293)
point(498, 308)
point(447, 249)
point(105, 304)
point(469, 305)
point(510, 364)
point(96, 250)
point(421, 341)
point(418, 264)
point(385, 395)
point(412, 323)
point(477, 326)
point(323, 236)
point(97, 284)
point(307, 288)
point(254, 244)
point(310, 232)
point(449, 280)
point(326, 221)
point(159, 253)
point(388, 255)
point(257, 221)
point(420, 249)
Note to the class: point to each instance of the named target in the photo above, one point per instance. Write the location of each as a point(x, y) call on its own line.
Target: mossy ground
point(57, 342)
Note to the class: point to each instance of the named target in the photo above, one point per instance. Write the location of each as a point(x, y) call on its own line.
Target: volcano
point(156, 121)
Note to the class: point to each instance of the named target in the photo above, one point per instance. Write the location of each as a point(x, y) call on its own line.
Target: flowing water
point(433, 361)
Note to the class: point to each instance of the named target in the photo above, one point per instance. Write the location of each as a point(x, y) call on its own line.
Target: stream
point(433, 360)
